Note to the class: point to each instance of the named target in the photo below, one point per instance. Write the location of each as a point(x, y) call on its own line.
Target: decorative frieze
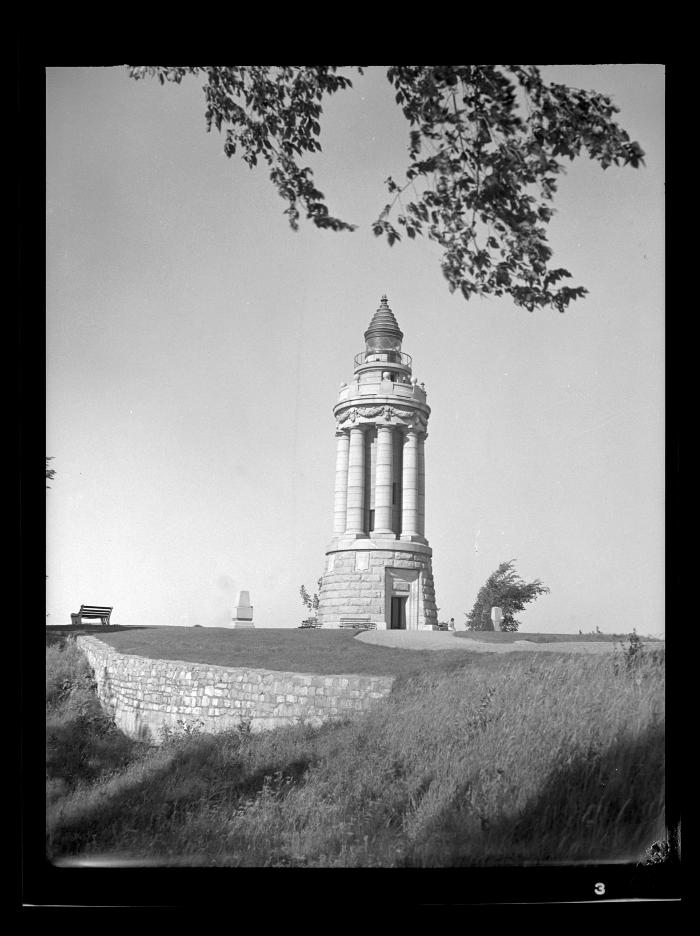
point(355, 415)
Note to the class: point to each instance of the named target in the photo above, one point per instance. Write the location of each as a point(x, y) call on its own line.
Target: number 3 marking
point(600, 889)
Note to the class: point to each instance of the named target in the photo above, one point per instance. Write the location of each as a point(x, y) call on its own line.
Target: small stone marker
point(496, 617)
point(243, 612)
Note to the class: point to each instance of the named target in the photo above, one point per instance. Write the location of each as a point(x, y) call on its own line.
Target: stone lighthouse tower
point(378, 568)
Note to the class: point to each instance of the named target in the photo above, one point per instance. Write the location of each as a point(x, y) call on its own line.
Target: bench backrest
point(93, 609)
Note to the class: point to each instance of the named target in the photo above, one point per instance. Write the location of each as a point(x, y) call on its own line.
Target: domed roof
point(383, 323)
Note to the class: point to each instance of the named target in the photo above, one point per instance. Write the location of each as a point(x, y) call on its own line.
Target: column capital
point(414, 429)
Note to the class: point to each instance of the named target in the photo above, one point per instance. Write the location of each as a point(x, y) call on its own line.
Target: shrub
point(505, 589)
point(67, 670)
point(82, 742)
point(312, 603)
point(630, 658)
point(182, 732)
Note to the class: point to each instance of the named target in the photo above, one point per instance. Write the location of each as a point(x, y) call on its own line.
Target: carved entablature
point(384, 414)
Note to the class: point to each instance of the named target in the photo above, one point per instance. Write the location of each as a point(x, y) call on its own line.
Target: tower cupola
point(383, 348)
point(383, 333)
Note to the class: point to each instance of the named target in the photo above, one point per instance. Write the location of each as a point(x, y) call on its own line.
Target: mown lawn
point(286, 649)
point(324, 652)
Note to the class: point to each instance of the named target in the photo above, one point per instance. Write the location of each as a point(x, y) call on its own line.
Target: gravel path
point(443, 640)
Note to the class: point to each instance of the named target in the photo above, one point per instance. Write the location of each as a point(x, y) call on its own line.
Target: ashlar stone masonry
point(145, 695)
point(378, 569)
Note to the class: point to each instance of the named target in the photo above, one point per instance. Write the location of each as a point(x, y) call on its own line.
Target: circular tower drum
point(378, 570)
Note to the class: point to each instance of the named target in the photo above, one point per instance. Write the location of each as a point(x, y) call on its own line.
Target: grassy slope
point(510, 637)
point(504, 761)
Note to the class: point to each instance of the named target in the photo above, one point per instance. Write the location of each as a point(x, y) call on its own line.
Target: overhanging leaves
point(486, 145)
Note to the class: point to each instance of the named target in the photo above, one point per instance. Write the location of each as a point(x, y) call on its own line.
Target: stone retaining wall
point(145, 695)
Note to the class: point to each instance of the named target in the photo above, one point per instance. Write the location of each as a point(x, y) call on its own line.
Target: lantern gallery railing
point(391, 357)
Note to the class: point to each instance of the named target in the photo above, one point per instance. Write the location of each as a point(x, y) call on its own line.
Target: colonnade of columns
point(351, 489)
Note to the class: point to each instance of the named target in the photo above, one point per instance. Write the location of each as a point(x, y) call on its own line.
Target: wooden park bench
point(91, 611)
point(357, 622)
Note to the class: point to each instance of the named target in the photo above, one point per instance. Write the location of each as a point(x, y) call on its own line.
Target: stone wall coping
point(185, 664)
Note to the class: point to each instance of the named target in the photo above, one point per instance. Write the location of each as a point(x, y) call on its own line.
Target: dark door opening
point(398, 613)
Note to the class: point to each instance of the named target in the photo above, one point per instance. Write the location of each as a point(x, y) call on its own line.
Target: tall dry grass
point(509, 760)
point(82, 744)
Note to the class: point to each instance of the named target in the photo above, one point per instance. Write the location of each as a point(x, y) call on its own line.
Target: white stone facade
point(243, 611)
point(378, 564)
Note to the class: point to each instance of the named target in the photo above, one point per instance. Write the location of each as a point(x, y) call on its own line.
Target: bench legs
point(77, 619)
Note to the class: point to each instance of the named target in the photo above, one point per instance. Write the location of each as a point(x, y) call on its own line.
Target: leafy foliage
point(505, 589)
point(487, 143)
point(67, 670)
point(82, 741)
point(630, 657)
point(310, 602)
point(271, 113)
point(182, 731)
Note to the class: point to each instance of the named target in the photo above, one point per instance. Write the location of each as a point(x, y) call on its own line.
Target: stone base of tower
point(385, 584)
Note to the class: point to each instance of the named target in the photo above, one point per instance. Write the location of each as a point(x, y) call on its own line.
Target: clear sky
point(195, 346)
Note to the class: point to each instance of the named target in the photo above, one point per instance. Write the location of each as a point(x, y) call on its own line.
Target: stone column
point(384, 479)
point(341, 482)
point(420, 474)
point(409, 484)
point(356, 483)
point(398, 468)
